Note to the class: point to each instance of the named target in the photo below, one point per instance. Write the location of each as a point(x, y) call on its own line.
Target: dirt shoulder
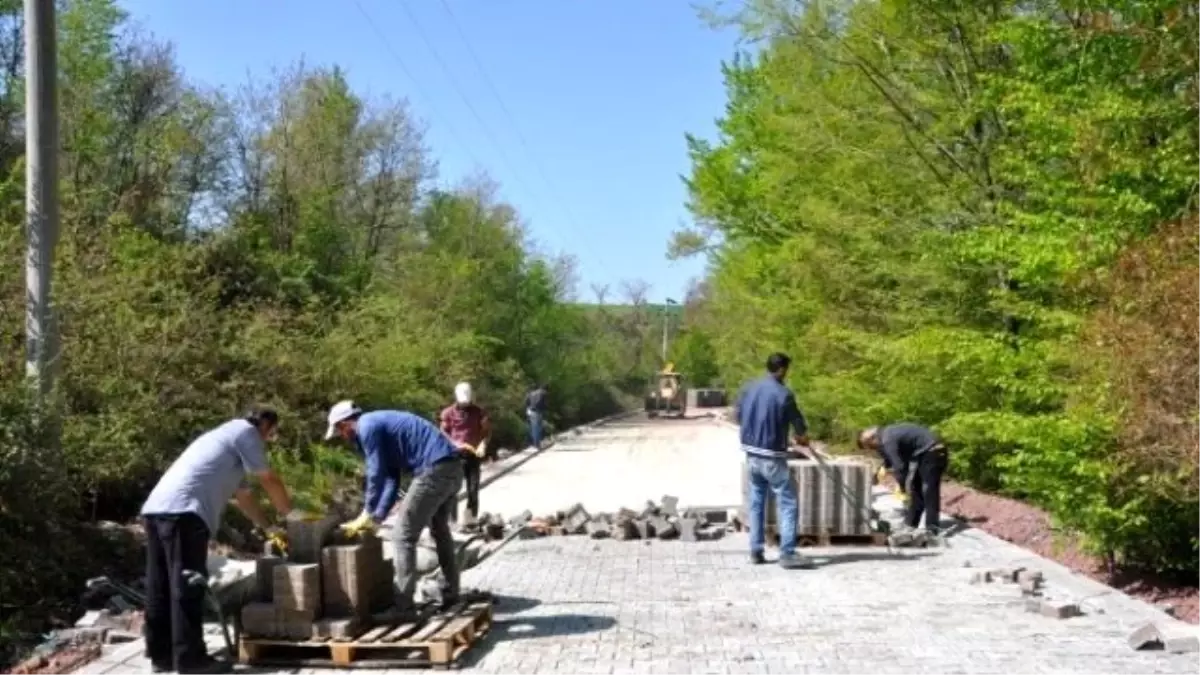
point(1030, 528)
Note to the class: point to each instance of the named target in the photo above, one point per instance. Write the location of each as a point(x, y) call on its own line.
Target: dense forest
point(975, 215)
point(288, 243)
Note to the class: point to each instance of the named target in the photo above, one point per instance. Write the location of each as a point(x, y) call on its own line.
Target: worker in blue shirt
point(395, 443)
point(765, 410)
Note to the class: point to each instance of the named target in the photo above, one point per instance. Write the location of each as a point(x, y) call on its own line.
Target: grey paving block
point(664, 529)
point(264, 577)
point(338, 629)
point(643, 528)
point(576, 519)
point(598, 529)
point(297, 587)
point(687, 529)
point(1059, 609)
point(259, 619)
point(349, 578)
point(1145, 637)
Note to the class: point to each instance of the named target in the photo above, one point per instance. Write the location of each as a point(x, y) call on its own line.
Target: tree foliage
point(978, 216)
point(284, 244)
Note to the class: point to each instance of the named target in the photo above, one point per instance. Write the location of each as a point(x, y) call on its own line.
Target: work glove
point(881, 474)
point(902, 496)
point(363, 523)
point(276, 536)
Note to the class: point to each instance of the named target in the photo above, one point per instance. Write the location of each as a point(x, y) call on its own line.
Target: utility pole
point(666, 326)
point(41, 190)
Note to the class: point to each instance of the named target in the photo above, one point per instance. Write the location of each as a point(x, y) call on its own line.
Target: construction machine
point(667, 396)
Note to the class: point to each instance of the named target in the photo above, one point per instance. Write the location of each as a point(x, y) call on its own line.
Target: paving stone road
point(573, 605)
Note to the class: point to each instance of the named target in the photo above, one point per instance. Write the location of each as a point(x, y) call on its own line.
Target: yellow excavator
point(667, 396)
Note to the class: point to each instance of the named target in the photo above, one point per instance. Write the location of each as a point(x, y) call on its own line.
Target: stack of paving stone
point(653, 521)
point(323, 589)
point(825, 508)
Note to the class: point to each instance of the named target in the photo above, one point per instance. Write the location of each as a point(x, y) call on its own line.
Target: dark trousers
point(925, 488)
point(472, 473)
point(175, 610)
point(430, 500)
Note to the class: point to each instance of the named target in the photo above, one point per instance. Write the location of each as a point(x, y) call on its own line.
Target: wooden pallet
point(437, 642)
point(826, 540)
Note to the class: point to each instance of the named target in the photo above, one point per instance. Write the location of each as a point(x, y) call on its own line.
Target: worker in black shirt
point(917, 458)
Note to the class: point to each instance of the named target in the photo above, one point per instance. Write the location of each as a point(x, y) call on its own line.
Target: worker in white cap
point(394, 443)
point(468, 426)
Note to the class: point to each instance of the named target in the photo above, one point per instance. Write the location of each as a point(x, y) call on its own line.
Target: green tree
point(922, 200)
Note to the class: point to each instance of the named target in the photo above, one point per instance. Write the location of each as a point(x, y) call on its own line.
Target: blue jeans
point(772, 474)
point(535, 429)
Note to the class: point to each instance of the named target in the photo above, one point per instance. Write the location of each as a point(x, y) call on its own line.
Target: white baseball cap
point(462, 392)
point(340, 412)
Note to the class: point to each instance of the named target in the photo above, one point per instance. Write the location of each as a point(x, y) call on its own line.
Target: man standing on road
point(535, 410)
point(469, 427)
point(765, 410)
point(395, 443)
point(917, 459)
point(181, 514)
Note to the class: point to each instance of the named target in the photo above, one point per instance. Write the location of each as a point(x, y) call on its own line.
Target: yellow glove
point(880, 474)
point(902, 496)
point(277, 537)
point(279, 540)
point(362, 523)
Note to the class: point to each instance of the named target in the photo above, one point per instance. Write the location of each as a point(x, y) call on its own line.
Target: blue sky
point(599, 94)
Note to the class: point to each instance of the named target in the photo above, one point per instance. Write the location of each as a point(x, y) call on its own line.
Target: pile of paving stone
point(663, 520)
point(1170, 635)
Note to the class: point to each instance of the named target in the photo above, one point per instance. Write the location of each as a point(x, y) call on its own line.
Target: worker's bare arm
point(276, 491)
point(248, 504)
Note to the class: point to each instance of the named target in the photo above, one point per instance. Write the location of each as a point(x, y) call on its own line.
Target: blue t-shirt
point(765, 410)
point(210, 470)
point(394, 443)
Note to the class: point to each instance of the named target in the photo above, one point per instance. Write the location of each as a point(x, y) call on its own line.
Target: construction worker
point(535, 412)
point(181, 514)
point(917, 460)
point(394, 443)
point(469, 427)
point(765, 410)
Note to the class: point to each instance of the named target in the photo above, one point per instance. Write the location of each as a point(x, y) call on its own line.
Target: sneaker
point(903, 536)
point(931, 539)
point(795, 561)
point(393, 615)
point(757, 558)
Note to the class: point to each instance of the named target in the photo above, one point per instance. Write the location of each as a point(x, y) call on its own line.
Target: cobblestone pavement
point(574, 605)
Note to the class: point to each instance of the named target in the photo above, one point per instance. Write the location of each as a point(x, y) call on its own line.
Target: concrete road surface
point(623, 464)
point(574, 605)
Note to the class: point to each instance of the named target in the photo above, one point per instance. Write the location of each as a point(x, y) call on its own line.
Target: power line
point(445, 121)
point(487, 131)
point(508, 115)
